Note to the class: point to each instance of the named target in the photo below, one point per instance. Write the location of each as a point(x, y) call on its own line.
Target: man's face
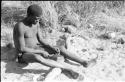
point(35, 19)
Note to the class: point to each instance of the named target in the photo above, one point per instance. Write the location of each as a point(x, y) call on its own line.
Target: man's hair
point(34, 10)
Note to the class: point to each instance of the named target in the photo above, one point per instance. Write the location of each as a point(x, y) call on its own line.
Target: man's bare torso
point(30, 36)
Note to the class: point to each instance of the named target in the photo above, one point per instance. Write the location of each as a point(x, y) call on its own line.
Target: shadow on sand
point(7, 56)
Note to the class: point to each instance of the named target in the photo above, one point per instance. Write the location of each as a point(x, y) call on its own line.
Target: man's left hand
point(56, 49)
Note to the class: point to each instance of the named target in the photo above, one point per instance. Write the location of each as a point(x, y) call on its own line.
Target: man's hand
point(56, 49)
point(45, 54)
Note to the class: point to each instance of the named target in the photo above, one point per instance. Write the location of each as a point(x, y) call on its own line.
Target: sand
point(110, 65)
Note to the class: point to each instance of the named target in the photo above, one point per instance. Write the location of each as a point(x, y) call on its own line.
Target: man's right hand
point(45, 54)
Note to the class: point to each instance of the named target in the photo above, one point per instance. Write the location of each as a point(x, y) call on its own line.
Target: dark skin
point(26, 35)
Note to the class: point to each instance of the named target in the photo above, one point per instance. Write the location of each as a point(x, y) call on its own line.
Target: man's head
point(34, 12)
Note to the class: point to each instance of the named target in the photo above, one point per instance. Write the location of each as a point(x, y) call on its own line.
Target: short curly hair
point(34, 10)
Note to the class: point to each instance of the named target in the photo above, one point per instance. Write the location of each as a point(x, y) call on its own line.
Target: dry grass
point(90, 18)
point(6, 35)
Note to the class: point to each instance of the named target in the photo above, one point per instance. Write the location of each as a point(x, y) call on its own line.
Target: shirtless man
point(30, 46)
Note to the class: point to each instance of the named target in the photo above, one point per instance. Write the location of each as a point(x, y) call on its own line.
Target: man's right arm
point(21, 41)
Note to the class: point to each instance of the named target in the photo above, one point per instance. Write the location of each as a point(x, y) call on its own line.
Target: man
point(30, 46)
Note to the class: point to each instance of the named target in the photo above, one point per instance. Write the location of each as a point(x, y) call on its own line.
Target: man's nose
point(37, 20)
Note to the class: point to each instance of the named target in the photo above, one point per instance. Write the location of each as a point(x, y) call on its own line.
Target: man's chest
point(30, 32)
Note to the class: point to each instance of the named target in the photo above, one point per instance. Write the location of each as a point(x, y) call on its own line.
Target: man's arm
point(21, 41)
point(45, 43)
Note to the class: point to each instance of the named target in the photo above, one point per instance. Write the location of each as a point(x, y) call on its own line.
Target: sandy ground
point(110, 65)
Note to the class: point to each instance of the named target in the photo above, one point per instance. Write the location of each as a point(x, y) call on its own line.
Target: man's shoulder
point(19, 26)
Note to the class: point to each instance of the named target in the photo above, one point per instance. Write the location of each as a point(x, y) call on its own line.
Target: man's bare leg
point(28, 57)
point(64, 52)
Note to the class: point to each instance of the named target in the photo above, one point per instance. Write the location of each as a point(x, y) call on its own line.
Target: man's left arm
point(45, 43)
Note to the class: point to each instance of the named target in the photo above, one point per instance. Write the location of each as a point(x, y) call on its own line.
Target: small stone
point(84, 50)
point(100, 49)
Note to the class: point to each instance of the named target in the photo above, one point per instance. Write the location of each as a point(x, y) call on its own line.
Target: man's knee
point(30, 57)
point(60, 59)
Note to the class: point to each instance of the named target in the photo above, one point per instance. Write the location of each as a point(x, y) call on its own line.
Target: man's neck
point(34, 25)
point(27, 22)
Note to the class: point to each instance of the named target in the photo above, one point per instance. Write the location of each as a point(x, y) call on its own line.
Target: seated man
point(30, 46)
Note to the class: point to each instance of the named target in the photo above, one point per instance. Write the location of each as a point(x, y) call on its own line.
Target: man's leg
point(28, 57)
point(67, 54)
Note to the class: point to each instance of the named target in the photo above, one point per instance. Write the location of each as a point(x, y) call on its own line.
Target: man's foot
point(91, 63)
point(85, 64)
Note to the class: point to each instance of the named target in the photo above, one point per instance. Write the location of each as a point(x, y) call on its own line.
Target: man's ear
point(42, 23)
